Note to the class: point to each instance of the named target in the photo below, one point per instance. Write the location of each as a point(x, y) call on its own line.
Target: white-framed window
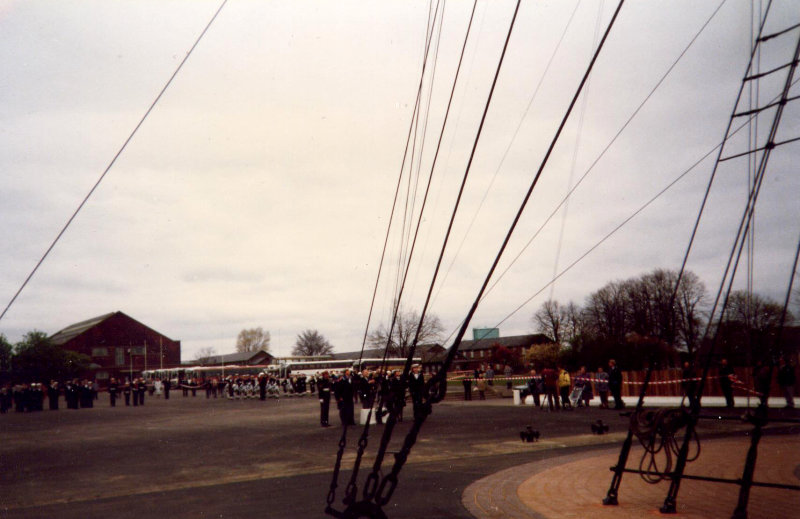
point(99, 352)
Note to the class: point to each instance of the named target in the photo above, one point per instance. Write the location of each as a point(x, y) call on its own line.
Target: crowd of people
point(76, 394)
point(551, 388)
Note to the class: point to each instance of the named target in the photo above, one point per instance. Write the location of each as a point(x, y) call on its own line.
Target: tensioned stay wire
point(394, 202)
point(113, 160)
point(522, 119)
point(391, 479)
point(624, 222)
point(594, 163)
point(575, 149)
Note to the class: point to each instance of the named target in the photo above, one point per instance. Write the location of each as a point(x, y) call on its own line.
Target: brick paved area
point(573, 486)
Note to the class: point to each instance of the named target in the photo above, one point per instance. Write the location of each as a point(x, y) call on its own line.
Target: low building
point(119, 346)
point(475, 353)
point(245, 358)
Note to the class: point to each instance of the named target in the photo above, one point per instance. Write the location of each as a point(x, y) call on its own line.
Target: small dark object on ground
point(529, 435)
point(599, 427)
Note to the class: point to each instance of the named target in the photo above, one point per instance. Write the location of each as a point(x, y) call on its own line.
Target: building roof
point(65, 335)
point(371, 353)
point(512, 341)
point(377, 353)
point(73, 330)
point(244, 357)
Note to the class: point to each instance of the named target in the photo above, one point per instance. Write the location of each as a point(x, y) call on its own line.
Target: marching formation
point(552, 388)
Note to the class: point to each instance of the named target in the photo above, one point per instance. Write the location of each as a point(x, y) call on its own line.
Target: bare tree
point(253, 339)
point(607, 312)
point(550, 319)
point(755, 312)
point(690, 302)
point(405, 328)
point(312, 343)
point(205, 355)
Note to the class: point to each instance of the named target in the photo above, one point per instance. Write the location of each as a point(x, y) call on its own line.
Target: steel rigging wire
point(423, 137)
point(429, 30)
point(522, 119)
point(381, 492)
point(113, 160)
point(619, 226)
point(350, 490)
point(602, 153)
point(397, 190)
point(576, 147)
point(594, 163)
point(351, 487)
point(372, 485)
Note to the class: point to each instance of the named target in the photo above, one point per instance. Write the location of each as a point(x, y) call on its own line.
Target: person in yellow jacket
point(564, 383)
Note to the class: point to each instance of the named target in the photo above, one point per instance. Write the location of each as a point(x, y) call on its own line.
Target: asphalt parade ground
point(198, 458)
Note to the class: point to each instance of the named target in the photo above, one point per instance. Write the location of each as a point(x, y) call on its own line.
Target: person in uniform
point(126, 392)
point(141, 388)
point(262, 386)
point(416, 384)
point(52, 395)
point(467, 382)
point(533, 387)
point(113, 388)
point(167, 387)
point(725, 383)
point(787, 380)
point(382, 389)
point(5, 399)
point(689, 383)
point(344, 392)
point(37, 397)
point(615, 383)
point(324, 398)
point(87, 396)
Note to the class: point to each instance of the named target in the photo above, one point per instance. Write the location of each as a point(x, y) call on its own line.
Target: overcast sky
point(258, 191)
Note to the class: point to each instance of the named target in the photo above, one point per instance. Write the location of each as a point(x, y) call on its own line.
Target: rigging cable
point(608, 146)
point(429, 28)
point(573, 166)
point(394, 204)
point(113, 160)
point(424, 135)
point(507, 150)
point(625, 125)
point(351, 488)
point(372, 488)
point(438, 381)
point(617, 228)
point(331, 496)
point(748, 214)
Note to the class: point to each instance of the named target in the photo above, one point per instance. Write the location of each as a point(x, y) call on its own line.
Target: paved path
point(574, 485)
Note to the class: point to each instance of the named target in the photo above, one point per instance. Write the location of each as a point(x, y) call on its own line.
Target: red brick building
point(119, 346)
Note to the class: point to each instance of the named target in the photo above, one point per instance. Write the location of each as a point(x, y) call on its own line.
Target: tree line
point(36, 359)
point(308, 343)
point(644, 319)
